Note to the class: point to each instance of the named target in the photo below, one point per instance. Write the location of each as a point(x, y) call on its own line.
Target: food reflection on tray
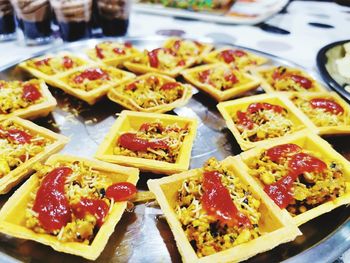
point(227, 210)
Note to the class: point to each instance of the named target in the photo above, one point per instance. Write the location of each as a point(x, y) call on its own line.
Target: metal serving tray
point(143, 234)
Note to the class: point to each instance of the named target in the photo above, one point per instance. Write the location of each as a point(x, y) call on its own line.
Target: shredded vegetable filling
point(109, 50)
point(310, 189)
point(238, 57)
point(155, 141)
point(185, 48)
point(206, 233)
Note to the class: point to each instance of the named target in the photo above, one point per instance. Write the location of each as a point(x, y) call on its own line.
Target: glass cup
point(114, 16)
point(73, 17)
point(34, 20)
point(7, 21)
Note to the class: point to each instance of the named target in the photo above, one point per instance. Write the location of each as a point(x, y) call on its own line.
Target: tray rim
point(332, 246)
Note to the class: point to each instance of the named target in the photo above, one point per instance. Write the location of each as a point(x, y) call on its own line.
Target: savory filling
point(221, 78)
point(286, 79)
point(238, 57)
point(152, 91)
point(108, 50)
point(15, 95)
point(185, 48)
point(54, 65)
point(73, 201)
point(154, 140)
point(323, 111)
point(296, 179)
point(263, 121)
point(217, 211)
point(18, 145)
point(92, 78)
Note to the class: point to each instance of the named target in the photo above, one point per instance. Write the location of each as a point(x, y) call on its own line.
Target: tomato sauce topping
point(303, 162)
point(244, 120)
point(328, 105)
point(99, 52)
point(119, 51)
point(42, 62)
point(217, 202)
point(169, 86)
point(128, 44)
point(91, 74)
point(177, 44)
point(95, 207)
point(280, 151)
point(121, 191)
point(302, 81)
point(281, 191)
point(255, 107)
point(231, 78)
point(131, 86)
point(31, 92)
point(229, 55)
point(204, 75)
point(181, 63)
point(132, 142)
point(19, 136)
point(50, 202)
point(67, 62)
point(145, 127)
point(153, 58)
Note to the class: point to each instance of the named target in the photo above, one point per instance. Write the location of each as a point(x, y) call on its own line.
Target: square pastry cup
point(37, 110)
point(250, 83)
point(211, 57)
point(277, 226)
point(325, 130)
point(12, 214)
point(267, 87)
point(312, 142)
point(129, 121)
point(21, 172)
point(229, 109)
point(92, 96)
point(118, 97)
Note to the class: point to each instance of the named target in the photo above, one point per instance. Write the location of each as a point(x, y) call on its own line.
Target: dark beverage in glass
point(34, 20)
point(73, 18)
point(114, 16)
point(7, 21)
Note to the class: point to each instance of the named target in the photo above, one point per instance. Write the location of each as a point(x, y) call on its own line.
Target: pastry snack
point(221, 81)
point(301, 173)
point(160, 60)
point(257, 119)
point(29, 99)
point(186, 48)
point(151, 92)
point(112, 53)
point(217, 215)
point(159, 143)
point(283, 78)
point(91, 83)
point(238, 57)
point(71, 204)
point(327, 111)
point(23, 143)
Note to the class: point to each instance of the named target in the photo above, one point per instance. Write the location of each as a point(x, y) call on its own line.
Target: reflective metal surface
point(143, 234)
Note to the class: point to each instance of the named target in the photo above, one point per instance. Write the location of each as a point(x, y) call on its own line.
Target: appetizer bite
point(23, 143)
point(239, 58)
point(160, 60)
point(113, 53)
point(257, 119)
point(151, 92)
point(287, 79)
point(327, 111)
point(301, 173)
point(222, 82)
point(216, 215)
point(159, 143)
point(91, 83)
point(187, 48)
point(29, 99)
point(71, 204)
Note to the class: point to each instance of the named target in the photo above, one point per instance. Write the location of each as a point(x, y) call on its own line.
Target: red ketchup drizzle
point(169, 86)
point(132, 86)
point(255, 107)
point(177, 44)
point(132, 142)
point(302, 81)
point(31, 92)
point(95, 207)
point(217, 201)
point(67, 62)
point(181, 63)
point(283, 150)
point(229, 55)
point(128, 45)
point(121, 191)
point(50, 202)
point(328, 105)
point(145, 127)
point(91, 74)
point(203, 75)
point(303, 162)
point(244, 120)
point(119, 51)
point(19, 136)
point(42, 62)
point(231, 78)
point(153, 58)
point(99, 52)
point(280, 191)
